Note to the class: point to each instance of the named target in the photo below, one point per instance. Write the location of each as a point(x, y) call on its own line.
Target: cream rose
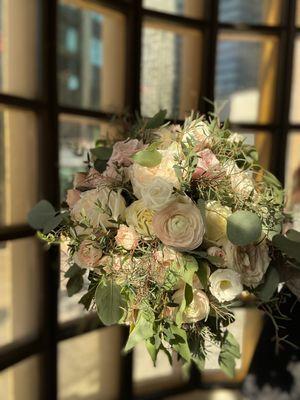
point(88, 255)
point(197, 310)
point(141, 176)
point(241, 181)
point(140, 217)
point(216, 222)
point(225, 284)
point(100, 207)
point(127, 237)
point(179, 225)
point(250, 261)
point(158, 194)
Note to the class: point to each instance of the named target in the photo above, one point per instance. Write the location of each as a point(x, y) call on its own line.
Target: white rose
point(241, 181)
point(127, 237)
point(197, 310)
point(225, 284)
point(140, 217)
point(141, 176)
point(250, 261)
point(87, 255)
point(99, 208)
point(158, 194)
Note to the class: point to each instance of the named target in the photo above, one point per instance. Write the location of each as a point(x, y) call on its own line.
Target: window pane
point(20, 282)
point(18, 149)
point(292, 175)
point(170, 76)
point(146, 376)
point(91, 51)
point(21, 382)
point(245, 77)
point(263, 143)
point(188, 8)
point(265, 12)
point(19, 64)
point(295, 100)
point(88, 366)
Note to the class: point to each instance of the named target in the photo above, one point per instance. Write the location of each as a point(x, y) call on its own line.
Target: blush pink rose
point(127, 237)
point(179, 225)
point(87, 256)
point(73, 196)
point(123, 151)
point(79, 179)
point(208, 165)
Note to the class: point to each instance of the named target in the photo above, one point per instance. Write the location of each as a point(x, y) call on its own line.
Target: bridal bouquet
point(172, 228)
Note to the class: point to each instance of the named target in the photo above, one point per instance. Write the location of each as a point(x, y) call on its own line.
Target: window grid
point(48, 111)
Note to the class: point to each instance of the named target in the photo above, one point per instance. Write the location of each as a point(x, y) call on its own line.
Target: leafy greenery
point(109, 302)
point(75, 282)
point(230, 351)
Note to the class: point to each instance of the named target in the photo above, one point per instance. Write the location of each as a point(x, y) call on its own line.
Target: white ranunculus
point(225, 284)
point(251, 261)
point(141, 176)
point(99, 208)
point(158, 194)
point(197, 310)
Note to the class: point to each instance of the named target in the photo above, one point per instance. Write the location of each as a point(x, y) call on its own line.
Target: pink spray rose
point(123, 151)
point(87, 256)
point(73, 196)
point(127, 237)
point(208, 165)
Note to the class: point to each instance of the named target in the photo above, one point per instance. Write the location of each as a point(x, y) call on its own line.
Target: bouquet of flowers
point(172, 228)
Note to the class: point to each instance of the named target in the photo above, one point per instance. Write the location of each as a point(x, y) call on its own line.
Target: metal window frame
point(48, 110)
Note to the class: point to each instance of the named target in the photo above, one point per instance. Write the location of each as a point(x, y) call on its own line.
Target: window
point(66, 68)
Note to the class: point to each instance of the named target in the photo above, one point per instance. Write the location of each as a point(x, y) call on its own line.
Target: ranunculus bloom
point(179, 225)
point(225, 284)
point(140, 217)
point(141, 176)
point(127, 237)
point(197, 310)
point(99, 208)
point(158, 194)
point(123, 151)
point(208, 165)
point(250, 261)
point(88, 255)
point(216, 222)
point(73, 196)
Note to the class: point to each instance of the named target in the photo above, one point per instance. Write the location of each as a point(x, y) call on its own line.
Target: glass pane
point(19, 64)
point(21, 382)
point(245, 77)
point(91, 52)
point(18, 149)
point(170, 76)
point(88, 366)
point(292, 175)
point(20, 282)
point(265, 12)
point(188, 8)
point(295, 100)
point(146, 376)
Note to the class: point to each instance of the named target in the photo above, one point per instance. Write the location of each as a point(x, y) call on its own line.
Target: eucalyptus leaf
point(40, 214)
point(52, 223)
point(74, 285)
point(271, 281)
point(109, 302)
point(157, 120)
point(289, 247)
point(147, 158)
point(243, 228)
point(102, 153)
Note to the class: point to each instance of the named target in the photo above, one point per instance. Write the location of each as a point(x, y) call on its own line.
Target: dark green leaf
point(293, 235)
point(289, 247)
point(100, 165)
point(40, 214)
point(102, 153)
point(52, 223)
point(74, 285)
point(74, 270)
point(109, 302)
point(87, 298)
point(243, 228)
point(202, 273)
point(188, 294)
point(270, 284)
point(157, 120)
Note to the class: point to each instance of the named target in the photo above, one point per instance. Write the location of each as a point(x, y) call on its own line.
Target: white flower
point(140, 217)
point(216, 222)
point(236, 138)
point(215, 251)
point(250, 261)
point(158, 194)
point(225, 284)
point(141, 176)
point(99, 208)
point(127, 237)
point(241, 181)
point(197, 310)
point(88, 255)
point(200, 133)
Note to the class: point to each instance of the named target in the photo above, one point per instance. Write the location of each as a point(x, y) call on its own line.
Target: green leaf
point(230, 350)
point(87, 298)
point(40, 214)
point(74, 270)
point(271, 281)
point(199, 361)
point(271, 180)
point(201, 205)
point(157, 120)
point(143, 329)
point(202, 273)
point(179, 313)
point(100, 165)
point(52, 223)
point(74, 285)
point(102, 153)
point(109, 302)
point(148, 158)
point(293, 235)
point(188, 294)
point(227, 364)
point(190, 267)
point(289, 247)
point(152, 349)
point(180, 344)
point(243, 228)
point(232, 345)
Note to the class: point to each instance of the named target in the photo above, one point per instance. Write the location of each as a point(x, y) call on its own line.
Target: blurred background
point(66, 68)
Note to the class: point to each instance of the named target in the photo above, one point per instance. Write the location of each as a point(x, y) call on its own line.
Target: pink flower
point(208, 165)
point(127, 237)
point(87, 256)
point(123, 151)
point(79, 179)
point(73, 196)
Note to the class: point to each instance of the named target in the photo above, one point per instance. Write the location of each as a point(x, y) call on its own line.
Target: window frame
point(48, 109)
